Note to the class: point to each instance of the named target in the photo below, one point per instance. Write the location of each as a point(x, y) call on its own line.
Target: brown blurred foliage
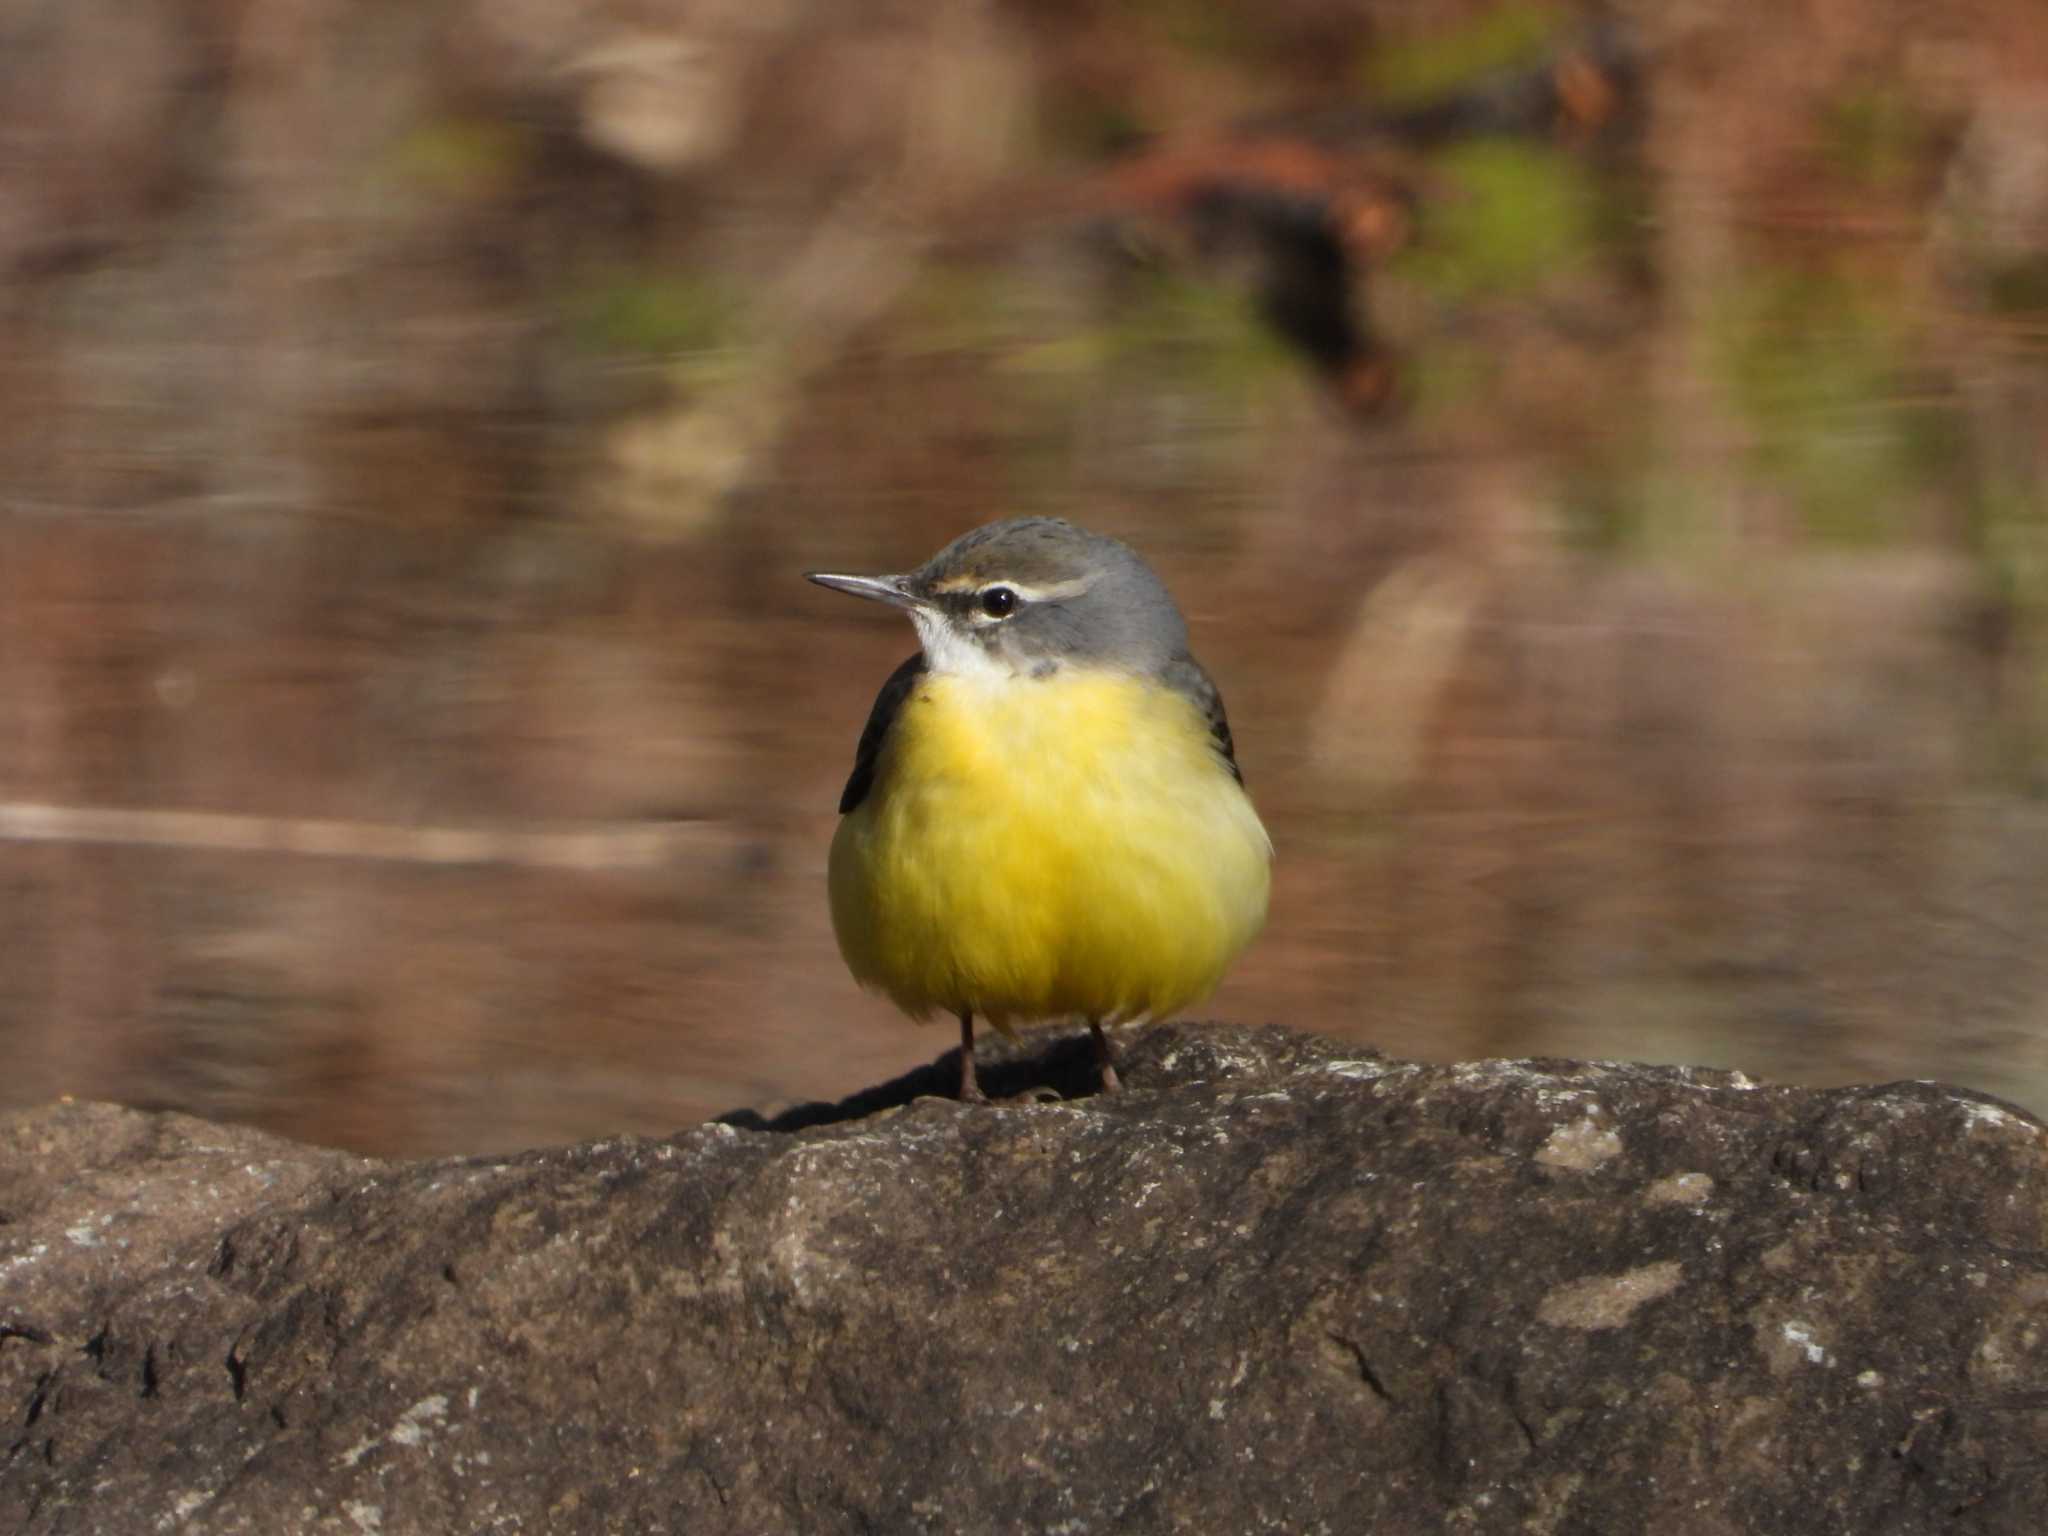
point(414, 417)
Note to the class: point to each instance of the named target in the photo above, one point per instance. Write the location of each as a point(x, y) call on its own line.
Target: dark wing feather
point(1184, 675)
point(887, 703)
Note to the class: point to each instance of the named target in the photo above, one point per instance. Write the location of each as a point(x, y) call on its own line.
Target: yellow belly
point(1043, 848)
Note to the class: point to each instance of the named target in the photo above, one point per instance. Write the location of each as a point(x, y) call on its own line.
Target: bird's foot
point(970, 1087)
point(1105, 1059)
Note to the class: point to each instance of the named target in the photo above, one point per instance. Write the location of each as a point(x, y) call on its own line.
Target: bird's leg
point(1105, 1057)
point(970, 1090)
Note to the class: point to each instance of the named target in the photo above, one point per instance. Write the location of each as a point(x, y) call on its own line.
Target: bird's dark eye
point(999, 602)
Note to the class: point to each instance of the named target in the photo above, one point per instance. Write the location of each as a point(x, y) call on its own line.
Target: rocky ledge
point(1279, 1284)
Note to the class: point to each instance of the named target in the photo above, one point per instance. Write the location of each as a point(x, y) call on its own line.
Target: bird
point(1045, 818)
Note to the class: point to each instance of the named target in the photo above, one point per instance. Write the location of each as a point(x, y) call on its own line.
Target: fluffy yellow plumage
point(1045, 817)
point(1040, 847)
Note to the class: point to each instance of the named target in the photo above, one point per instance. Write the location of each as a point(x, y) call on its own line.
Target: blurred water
point(416, 424)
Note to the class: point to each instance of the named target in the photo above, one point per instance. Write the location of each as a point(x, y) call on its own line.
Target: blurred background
point(1602, 456)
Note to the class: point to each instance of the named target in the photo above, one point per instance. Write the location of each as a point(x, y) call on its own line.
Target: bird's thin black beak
point(893, 590)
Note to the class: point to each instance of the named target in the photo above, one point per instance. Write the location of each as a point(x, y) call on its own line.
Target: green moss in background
point(459, 157)
point(1513, 218)
point(1819, 366)
point(1204, 332)
point(650, 312)
point(1166, 341)
point(1875, 135)
point(1407, 71)
point(1187, 328)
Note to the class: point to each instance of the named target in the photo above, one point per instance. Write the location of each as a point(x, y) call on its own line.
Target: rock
point(1277, 1285)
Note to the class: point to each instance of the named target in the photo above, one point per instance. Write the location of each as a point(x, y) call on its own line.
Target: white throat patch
point(953, 654)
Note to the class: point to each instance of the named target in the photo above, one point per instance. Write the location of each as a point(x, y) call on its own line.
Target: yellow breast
point(1048, 847)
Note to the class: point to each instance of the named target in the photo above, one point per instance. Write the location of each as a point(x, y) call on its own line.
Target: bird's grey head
point(1029, 595)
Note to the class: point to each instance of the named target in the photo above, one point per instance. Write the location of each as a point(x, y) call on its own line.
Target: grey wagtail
point(1045, 817)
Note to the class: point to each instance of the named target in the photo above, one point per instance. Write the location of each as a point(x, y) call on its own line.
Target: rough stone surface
point(1275, 1286)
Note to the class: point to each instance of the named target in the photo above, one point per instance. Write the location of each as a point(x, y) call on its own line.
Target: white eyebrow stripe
point(1051, 594)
